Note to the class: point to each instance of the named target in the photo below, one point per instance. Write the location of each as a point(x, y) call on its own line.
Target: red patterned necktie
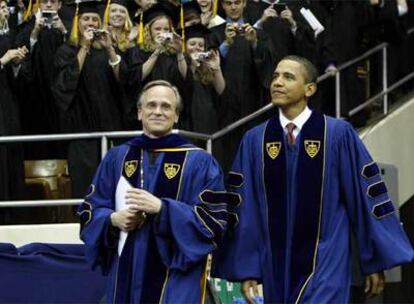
point(290, 137)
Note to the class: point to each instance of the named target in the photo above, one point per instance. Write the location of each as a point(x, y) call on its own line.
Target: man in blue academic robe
point(306, 181)
point(155, 210)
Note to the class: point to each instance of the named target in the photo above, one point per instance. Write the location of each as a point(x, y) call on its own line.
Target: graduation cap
point(82, 7)
point(161, 8)
point(196, 31)
point(191, 8)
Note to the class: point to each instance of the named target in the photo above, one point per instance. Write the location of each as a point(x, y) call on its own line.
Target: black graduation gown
point(166, 68)
point(248, 73)
point(40, 114)
point(11, 155)
point(203, 105)
point(277, 29)
point(91, 102)
point(347, 45)
point(130, 88)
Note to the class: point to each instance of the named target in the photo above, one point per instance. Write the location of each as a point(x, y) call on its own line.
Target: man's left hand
point(142, 200)
point(250, 33)
point(374, 284)
point(58, 24)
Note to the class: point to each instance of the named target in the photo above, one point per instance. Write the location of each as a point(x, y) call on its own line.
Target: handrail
point(41, 203)
point(362, 56)
point(374, 98)
point(92, 135)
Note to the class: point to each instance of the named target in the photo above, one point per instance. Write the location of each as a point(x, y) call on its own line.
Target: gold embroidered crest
point(171, 170)
point(312, 147)
point(273, 149)
point(130, 167)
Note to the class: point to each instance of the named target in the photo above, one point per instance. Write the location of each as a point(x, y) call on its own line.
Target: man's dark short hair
point(154, 83)
point(311, 73)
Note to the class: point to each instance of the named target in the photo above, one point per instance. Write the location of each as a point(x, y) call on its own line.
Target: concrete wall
point(391, 141)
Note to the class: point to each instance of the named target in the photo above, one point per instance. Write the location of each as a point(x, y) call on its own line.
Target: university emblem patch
point(130, 167)
point(171, 170)
point(273, 149)
point(312, 147)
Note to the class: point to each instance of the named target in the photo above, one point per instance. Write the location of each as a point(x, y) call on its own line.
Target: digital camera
point(166, 37)
point(48, 15)
point(97, 34)
point(203, 56)
point(240, 29)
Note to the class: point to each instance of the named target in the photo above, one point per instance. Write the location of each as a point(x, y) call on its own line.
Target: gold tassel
point(106, 14)
point(215, 7)
point(141, 30)
point(74, 34)
point(182, 27)
point(36, 6)
point(28, 12)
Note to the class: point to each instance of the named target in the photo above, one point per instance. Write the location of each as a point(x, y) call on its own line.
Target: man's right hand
point(230, 33)
point(127, 220)
point(270, 12)
point(245, 290)
point(38, 26)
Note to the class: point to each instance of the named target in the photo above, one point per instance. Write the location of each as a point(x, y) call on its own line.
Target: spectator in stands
point(277, 21)
point(306, 182)
point(136, 9)
point(209, 16)
point(119, 25)
point(208, 82)
point(347, 42)
point(11, 155)
point(43, 35)
point(86, 88)
point(155, 210)
point(160, 54)
point(248, 58)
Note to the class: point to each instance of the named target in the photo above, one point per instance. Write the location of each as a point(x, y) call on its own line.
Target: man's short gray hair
point(179, 103)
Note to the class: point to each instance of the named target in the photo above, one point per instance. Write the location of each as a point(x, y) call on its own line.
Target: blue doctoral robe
point(294, 229)
point(164, 261)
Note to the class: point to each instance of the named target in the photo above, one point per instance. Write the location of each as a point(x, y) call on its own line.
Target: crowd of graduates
point(69, 67)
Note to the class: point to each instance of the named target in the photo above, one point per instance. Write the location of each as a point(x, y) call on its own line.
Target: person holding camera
point(207, 83)
point(160, 54)
point(86, 88)
point(11, 155)
point(247, 61)
point(42, 35)
point(119, 25)
point(209, 18)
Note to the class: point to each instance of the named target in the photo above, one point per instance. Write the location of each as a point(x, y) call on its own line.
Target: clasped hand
point(140, 202)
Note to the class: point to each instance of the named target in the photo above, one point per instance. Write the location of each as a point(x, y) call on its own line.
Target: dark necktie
point(290, 137)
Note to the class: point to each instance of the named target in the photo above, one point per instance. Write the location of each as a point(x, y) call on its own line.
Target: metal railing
point(104, 136)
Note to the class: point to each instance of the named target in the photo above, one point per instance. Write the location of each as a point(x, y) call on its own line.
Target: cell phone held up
point(279, 7)
point(48, 16)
